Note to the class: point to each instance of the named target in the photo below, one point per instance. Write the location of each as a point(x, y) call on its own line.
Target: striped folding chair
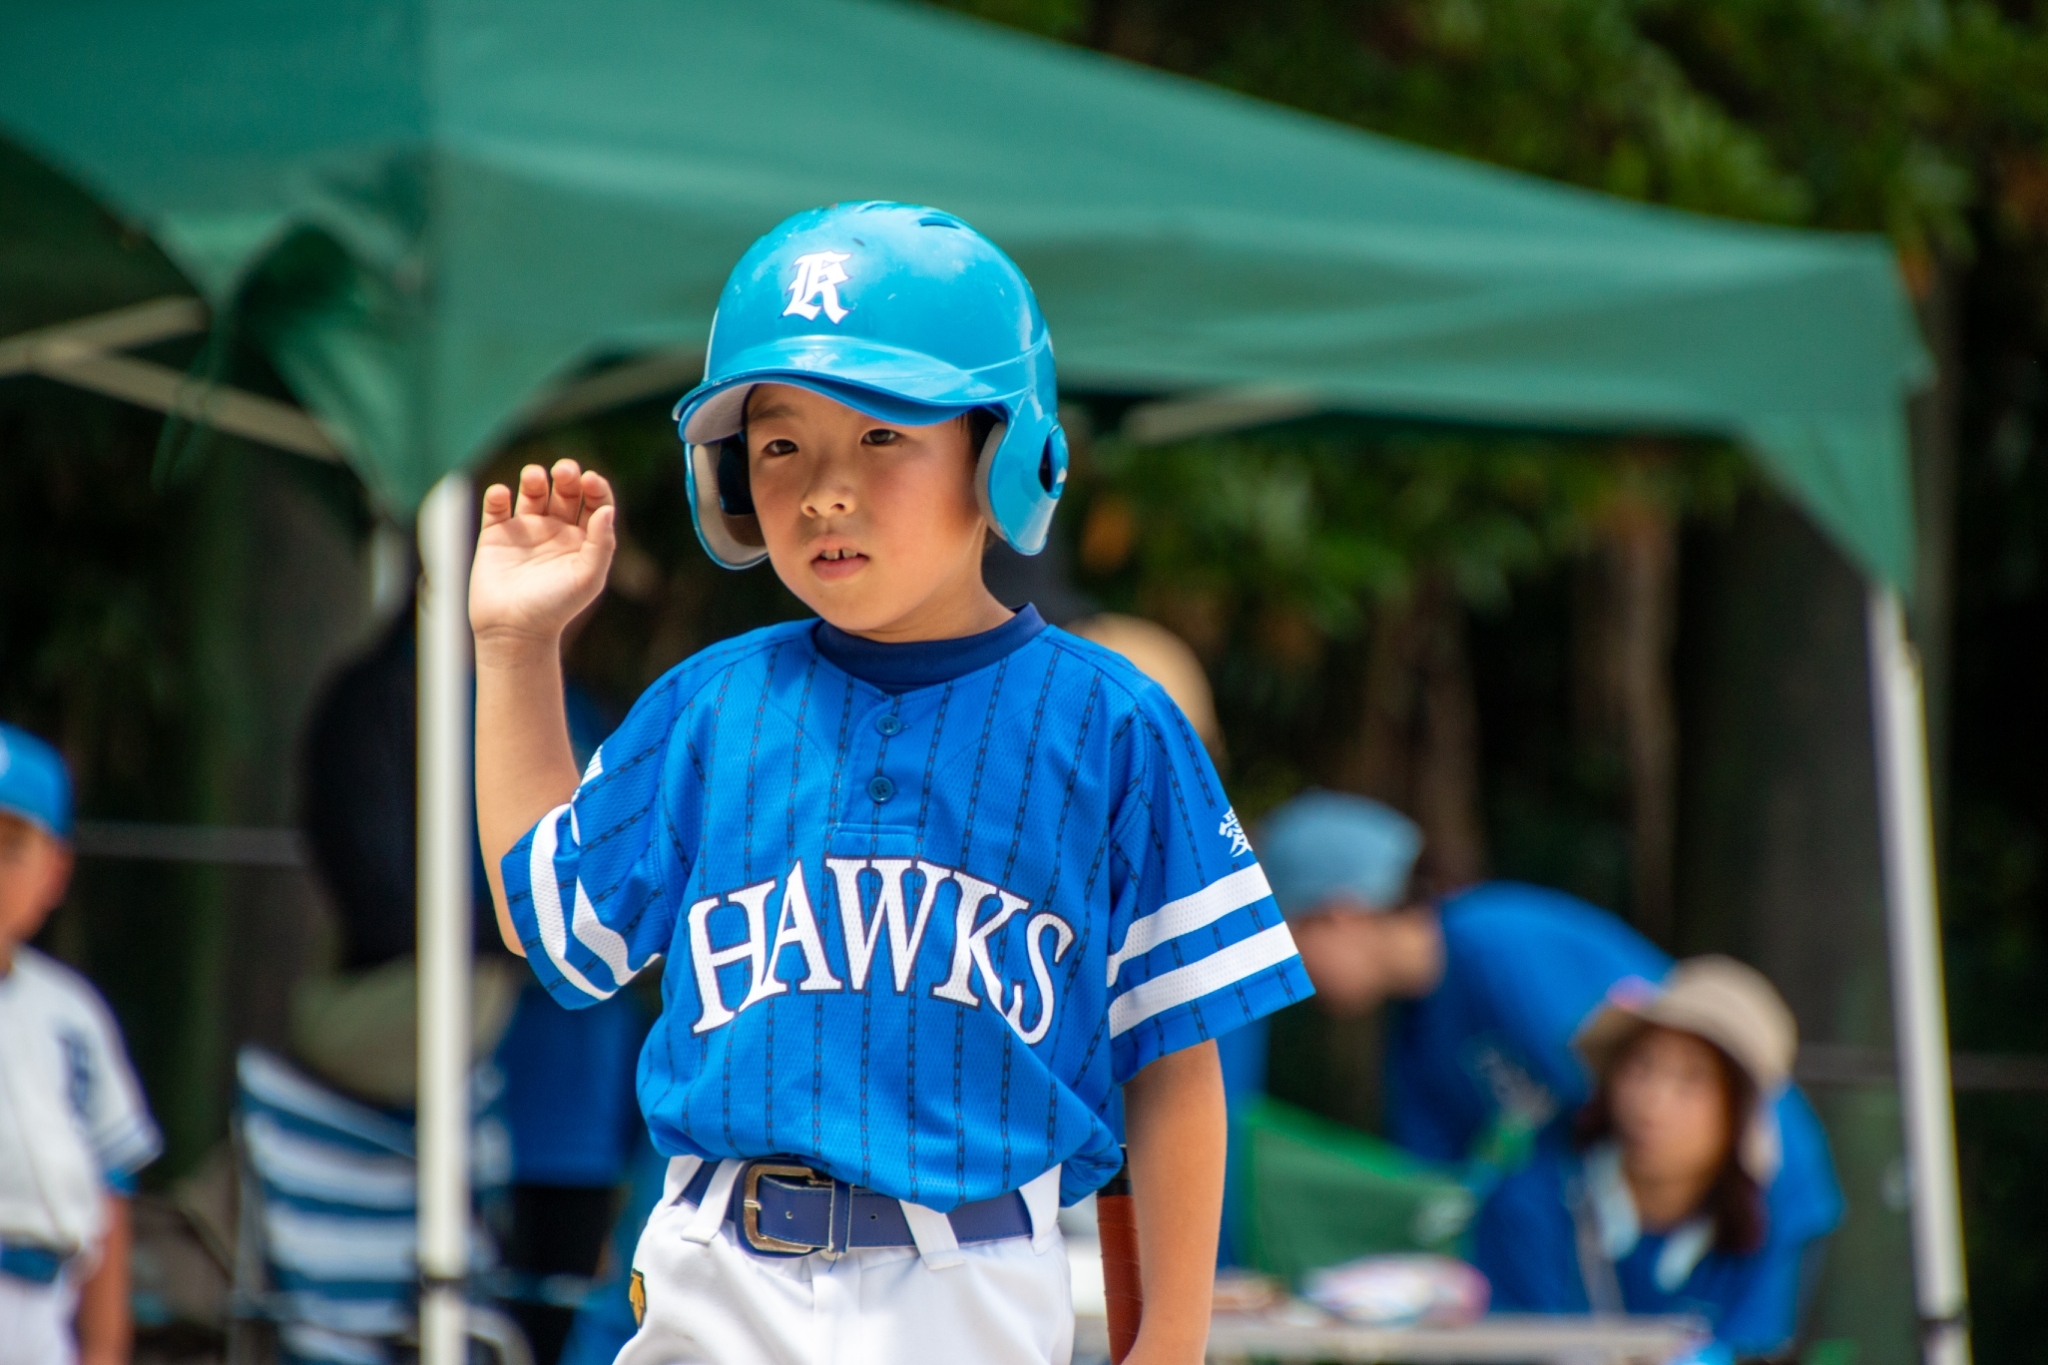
point(327, 1233)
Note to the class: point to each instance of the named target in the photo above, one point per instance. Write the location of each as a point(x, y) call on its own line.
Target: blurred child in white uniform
point(73, 1127)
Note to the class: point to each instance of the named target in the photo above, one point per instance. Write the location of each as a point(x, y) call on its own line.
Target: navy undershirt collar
point(924, 663)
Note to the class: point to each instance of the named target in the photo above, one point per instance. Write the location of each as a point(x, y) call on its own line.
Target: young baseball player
point(953, 902)
point(73, 1128)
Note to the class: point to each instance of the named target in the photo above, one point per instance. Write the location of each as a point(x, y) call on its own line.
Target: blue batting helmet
point(904, 313)
point(34, 783)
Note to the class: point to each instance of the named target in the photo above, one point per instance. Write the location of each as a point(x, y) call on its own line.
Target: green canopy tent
point(440, 220)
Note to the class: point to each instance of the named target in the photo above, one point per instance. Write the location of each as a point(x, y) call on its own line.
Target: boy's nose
point(830, 493)
point(831, 501)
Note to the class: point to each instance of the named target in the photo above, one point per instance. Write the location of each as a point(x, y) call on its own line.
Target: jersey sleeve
point(1198, 944)
point(109, 1103)
point(592, 887)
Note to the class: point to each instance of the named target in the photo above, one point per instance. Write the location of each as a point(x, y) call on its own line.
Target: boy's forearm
point(524, 765)
point(1177, 1132)
point(106, 1330)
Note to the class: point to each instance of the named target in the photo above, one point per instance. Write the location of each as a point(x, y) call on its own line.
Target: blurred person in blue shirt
point(1651, 1197)
point(1488, 988)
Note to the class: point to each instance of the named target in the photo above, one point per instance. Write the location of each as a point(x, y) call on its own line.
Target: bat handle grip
point(1122, 1287)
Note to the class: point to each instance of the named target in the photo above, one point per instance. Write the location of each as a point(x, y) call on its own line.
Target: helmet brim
point(720, 412)
point(885, 382)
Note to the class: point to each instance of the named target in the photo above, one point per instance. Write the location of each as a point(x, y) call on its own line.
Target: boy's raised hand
point(542, 555)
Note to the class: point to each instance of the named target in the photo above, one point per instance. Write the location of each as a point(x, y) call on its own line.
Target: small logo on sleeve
point(818, 276)
point(78, 1074)
point(1233, 831)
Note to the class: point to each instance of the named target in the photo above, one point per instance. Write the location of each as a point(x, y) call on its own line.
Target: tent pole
point(447, 527)
point(1919, 1012)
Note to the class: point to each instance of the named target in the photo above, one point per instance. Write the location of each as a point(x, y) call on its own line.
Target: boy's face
point(875, 527)
point(34, 870)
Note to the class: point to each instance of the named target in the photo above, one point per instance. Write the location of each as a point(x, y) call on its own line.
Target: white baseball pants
point(710, 1300)
point(35, 1322)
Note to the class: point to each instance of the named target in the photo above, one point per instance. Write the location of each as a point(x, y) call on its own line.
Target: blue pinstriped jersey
point(915, 937)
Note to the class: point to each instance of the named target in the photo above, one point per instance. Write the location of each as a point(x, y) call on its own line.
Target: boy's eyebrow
point(774, 407)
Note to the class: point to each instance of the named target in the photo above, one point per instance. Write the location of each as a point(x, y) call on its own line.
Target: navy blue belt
point(782, 1207)
point(37, 1265)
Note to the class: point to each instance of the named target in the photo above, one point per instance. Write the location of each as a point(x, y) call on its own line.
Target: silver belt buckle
point(750, 1205)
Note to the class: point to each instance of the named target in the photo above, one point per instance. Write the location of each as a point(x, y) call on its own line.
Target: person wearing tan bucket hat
point(1655, 1196)
point(1728, 1005)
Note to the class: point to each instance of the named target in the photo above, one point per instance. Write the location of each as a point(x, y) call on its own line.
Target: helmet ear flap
point(1052, 463)
point(732, 538)
point(983, 467)
point(1019, 487)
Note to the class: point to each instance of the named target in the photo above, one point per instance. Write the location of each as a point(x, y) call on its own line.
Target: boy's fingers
point(533, 491)
point(497, 504)
point(568, 491)
point(602, 534)
point(597, 494)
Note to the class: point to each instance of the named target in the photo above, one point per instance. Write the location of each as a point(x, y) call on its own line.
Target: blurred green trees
point(1920, 119)
point(1323, 570)
point(1926, 120)
point(1321, 553)
point(1898, 116)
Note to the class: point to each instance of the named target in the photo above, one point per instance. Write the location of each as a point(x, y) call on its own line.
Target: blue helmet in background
point(34, 782)
point(1322, 846)
point(904, 313)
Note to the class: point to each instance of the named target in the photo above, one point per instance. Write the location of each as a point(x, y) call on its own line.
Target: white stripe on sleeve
point(600, 937)
point(1244, 958)
point(1227, 893)
point(131, 1149)
point(547, 905)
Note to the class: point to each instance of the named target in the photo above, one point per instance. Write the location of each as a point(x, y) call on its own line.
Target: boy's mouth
point(838, 563)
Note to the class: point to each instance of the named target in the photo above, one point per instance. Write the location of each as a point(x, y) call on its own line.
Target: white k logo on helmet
point(818, 276)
